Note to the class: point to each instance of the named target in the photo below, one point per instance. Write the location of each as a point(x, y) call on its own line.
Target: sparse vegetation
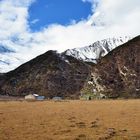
point(73, 120)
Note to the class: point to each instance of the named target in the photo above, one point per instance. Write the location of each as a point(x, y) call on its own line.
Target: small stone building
point(30, 97)
point(40, 98)
point(57, 98)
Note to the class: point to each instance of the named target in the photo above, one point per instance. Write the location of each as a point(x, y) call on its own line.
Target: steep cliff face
point(50, 74)
point(118, 73)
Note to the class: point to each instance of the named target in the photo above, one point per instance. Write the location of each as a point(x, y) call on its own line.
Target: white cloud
point(34, 21)
point(110, 18)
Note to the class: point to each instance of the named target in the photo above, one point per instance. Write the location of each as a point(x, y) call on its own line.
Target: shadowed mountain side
point(50, 74)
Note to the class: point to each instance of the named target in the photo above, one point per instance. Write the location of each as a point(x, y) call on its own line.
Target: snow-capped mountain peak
point(97, 50)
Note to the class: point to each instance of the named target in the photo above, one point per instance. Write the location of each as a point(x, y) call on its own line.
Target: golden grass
point(73, 120)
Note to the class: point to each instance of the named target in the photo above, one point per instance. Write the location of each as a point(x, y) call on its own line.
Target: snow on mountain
point(96, 50)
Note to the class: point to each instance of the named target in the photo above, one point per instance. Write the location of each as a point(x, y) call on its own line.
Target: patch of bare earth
point(73, 120)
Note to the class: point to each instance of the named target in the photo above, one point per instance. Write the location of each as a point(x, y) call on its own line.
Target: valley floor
point(70, 120)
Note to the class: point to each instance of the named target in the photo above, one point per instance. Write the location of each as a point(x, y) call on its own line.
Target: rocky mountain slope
point(50, 74)
point(97, 50)
point(118, 73)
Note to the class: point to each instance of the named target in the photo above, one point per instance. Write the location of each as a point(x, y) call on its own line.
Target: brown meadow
point(70, 120)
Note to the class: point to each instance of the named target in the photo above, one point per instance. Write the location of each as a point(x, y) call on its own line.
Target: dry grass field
point(71, 120)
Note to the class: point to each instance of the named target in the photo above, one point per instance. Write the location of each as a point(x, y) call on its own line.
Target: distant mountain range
point(53, 74)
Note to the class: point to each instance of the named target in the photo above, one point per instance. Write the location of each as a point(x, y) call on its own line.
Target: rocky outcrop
point(118, 73)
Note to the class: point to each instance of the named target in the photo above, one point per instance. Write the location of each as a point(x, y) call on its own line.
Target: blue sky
point(32, 27)
point(45, 12)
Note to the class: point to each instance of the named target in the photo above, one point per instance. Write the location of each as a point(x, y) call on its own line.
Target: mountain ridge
point(97, 50)
point(117, 74)
point(49, 74)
